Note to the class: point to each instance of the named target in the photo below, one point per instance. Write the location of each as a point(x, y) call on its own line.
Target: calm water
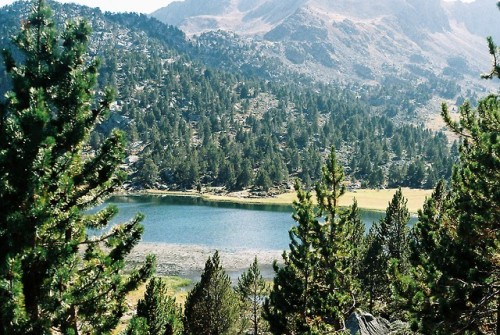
point(189, 220)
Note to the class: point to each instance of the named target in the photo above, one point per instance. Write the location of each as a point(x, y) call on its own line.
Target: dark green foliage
point(53, 275)
point(373, 275)
point(245, 176)
point(471, 290)
point(159, 312)
point(453, 285)
point(263, 180)
point(355, 234)
point(190, 119)
point(385, 255)
point(314, 292)
point(393, 229)
point(148, 172)
point(431, 249)
point(289, 308)
point(137, 326)
point(252, 290)
point(211, 307)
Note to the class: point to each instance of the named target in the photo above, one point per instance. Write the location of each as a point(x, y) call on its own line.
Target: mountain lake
point(224, 225)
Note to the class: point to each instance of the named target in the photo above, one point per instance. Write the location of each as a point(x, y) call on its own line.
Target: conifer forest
point(93, 104)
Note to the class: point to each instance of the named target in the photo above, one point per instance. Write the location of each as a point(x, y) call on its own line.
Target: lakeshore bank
point(368, 199)
point(188, 261)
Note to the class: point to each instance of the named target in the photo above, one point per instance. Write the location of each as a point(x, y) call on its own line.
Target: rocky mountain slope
point(353, 41)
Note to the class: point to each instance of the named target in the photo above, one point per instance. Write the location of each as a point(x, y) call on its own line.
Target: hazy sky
point(142, 6)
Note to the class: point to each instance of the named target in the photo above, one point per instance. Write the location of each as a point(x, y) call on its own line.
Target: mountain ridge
point(330, 40)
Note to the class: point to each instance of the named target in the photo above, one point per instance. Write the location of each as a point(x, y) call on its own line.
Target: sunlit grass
point(367, 198)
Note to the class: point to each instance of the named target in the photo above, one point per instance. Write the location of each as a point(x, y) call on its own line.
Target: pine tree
point(337, 288)
point(431, 249)
point(160, 314)
point(355, 234)
point(314, 292)
point(393, 229)
point(289, 309)
point(263, 181)
point(385, 255)
point(474, 220)
point(252, 289)
point(53, 275)
point(454, 283)
point(246, 175)
point(211, 307)
point(372, 274)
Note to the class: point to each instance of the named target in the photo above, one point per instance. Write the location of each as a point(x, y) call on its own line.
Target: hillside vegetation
point(189, 123)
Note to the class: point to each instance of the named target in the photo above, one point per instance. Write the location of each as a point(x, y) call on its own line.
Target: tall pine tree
point(211, 307)
point(252, 289)
point(314, 292)
point(290, 308)
point(393, 229)
point(431, 249)
point(53, 275)
point(373, 272)
point(386, 254)
point(455, 283)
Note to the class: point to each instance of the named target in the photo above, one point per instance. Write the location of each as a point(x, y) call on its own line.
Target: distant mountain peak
point(352, 40)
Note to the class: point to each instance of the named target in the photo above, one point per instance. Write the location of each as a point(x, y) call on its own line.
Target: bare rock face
point(335, 37)
point(360, 323)
point(367, 324)
point(386, 43)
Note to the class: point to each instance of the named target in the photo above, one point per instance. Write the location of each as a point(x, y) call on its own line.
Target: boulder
point(360, 323)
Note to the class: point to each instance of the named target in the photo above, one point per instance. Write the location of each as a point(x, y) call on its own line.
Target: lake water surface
point(195, 221)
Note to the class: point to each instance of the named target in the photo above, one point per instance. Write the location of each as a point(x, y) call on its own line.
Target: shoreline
point(368, 199)
point(188, 261)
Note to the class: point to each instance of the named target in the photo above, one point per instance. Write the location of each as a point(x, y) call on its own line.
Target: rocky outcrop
point(366, 324)
point(360, 323)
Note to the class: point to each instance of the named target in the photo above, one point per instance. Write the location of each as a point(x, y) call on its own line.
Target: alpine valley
point(248, 95)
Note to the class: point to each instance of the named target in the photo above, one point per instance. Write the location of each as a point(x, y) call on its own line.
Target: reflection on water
point(224, 225)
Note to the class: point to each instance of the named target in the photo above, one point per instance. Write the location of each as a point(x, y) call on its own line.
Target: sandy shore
point(367, 198)
point(188, 261)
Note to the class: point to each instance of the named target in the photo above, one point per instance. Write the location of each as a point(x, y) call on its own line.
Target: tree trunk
point(498, 315)
point(31, 279)
point(255, 326)
point(371, 298)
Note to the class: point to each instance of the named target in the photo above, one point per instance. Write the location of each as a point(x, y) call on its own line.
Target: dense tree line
point(192, 124)
point(441, 275)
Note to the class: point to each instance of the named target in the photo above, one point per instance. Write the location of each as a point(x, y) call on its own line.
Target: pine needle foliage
point(252, 290)
point(315, 290)
point(455, 278)
point(54, 276)
point(159, 313)
point(211, 307)
point(386, 255)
